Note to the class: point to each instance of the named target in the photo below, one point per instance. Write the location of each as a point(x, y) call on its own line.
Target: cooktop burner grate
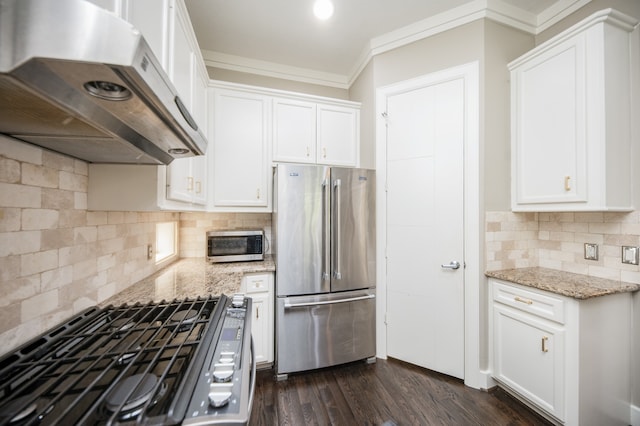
point(111, 366)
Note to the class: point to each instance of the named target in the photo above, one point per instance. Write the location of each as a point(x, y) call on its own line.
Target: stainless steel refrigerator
point(324, 249)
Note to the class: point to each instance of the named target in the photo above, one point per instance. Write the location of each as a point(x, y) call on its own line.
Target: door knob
point(454, 264)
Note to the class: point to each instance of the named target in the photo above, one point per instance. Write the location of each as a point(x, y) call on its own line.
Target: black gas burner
point(183, 319)
point(130, 395)
point(19, 410)
point(114, 365)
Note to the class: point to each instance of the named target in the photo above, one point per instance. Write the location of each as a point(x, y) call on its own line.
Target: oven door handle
point(253, 380)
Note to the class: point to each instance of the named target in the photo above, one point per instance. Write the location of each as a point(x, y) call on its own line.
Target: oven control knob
point(238, 300)
point(219, 398)
point(222, 372)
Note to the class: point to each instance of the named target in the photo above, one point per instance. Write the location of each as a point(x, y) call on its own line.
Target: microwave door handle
point(326, 230)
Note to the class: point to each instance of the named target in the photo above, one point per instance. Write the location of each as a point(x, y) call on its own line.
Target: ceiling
point(282, 37)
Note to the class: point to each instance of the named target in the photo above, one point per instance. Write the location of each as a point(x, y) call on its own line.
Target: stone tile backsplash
point(56, 257)
point(556, 241)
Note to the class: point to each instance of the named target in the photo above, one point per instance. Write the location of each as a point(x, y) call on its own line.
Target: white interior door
point(425, 226)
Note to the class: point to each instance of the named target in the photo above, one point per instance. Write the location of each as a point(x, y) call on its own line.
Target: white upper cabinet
point(294, 131)
point(151, 18)
point(571, 120)
point(239, 151)
point(338, 135)
point(181, 185)
point(253, 126)
point(186, 177)
point(315, 132)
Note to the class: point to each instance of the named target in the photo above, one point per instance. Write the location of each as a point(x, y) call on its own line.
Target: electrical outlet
point(630, 255)
point(149, 252)
point(590, 251)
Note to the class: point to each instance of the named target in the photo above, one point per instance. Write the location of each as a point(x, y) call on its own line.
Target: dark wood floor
point(388, 392)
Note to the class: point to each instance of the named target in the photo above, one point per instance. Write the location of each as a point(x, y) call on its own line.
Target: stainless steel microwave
point(235, 246)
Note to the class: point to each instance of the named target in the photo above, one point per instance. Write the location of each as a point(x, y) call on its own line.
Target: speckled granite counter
point(190, 277)
point(564, 283)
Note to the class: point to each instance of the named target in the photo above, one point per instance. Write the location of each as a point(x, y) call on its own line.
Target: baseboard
point(635, 415)
point(484, 381)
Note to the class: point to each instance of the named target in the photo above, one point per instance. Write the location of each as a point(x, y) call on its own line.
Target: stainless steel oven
point(239, 245)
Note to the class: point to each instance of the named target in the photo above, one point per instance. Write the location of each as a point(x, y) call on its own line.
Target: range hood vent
point(78, 80)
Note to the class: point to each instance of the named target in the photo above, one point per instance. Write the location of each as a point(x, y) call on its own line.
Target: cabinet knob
point(567, 183)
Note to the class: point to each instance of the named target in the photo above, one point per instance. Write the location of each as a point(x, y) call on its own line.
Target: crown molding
point(496, 10)
point(556, 12)
point(272, 69)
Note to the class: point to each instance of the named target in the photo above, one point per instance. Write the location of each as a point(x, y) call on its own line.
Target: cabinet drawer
point(257, 283)
point(552, 308)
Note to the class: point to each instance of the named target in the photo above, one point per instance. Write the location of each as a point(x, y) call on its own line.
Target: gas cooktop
point(145, 363)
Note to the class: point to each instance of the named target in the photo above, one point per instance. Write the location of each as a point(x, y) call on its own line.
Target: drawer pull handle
point(520, 299)
point(258, 314)
point(544, 344)
point(567, 183)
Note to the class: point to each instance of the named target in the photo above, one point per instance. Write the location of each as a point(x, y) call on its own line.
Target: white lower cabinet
point(567, 358)
point(259, 287)
point(528, 354)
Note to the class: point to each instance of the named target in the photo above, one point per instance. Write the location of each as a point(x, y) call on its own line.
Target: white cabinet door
point(294, 131)
point(571, 120)
point(261, 311)
point(338, 135)
point(550, 149)
point(113, 6)
point(528, 356)
point(180, 180)
point(239, 149)
point(260, 288)
point(151, 18)
point(180, 58)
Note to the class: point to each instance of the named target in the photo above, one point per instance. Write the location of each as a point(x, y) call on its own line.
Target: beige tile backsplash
point(556, 241)
point(57, 258)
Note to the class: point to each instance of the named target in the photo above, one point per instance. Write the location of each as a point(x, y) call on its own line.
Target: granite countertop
point(190, 278)
point(564, 283)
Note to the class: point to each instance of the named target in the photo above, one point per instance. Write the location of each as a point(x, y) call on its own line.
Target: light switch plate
point(630, 255)
point(590, 251)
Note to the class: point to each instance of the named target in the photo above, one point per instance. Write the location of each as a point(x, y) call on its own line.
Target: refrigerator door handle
point(326, 230)
point(337, 184)
point(288, 305)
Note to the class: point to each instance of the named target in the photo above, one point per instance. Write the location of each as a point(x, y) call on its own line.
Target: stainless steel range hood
point(78, 80)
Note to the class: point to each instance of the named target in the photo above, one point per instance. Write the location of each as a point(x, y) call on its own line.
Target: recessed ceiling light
point(323, 9)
